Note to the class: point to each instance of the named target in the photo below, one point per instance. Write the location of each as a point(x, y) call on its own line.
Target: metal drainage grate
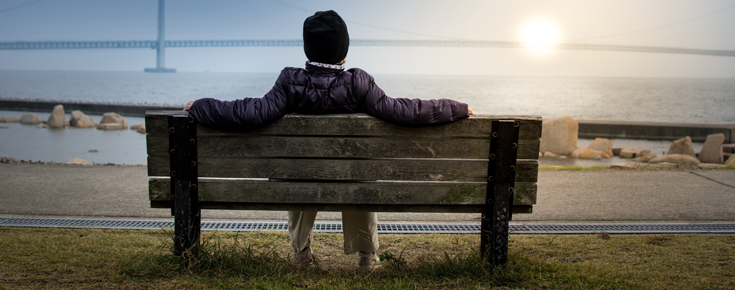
point(428, 228)
point(638, 228)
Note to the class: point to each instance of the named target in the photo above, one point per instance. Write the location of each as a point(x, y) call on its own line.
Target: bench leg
point(184, 179)
point(497, 212)
point(187, 219)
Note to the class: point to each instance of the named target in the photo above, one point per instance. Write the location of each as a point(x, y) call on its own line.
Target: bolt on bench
point(346, 162)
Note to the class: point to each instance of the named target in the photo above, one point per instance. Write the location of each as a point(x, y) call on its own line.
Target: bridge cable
point(19, 6)
point(720, 10)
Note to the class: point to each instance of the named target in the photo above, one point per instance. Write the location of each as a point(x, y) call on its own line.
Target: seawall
point(135, 110)
point(587, 128)
point(652, 130)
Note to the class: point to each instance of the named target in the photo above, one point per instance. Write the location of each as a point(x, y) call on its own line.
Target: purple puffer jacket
point(319, 90)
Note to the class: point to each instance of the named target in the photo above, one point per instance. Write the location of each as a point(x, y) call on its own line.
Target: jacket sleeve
point(244, 114)
point(403, 111)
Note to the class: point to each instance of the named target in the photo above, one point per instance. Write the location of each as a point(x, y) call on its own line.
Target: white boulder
point(712, 149)
point(635, 153)
point(9, 120)
point(602, 144)
point(81, 120)
point(57, 120)
point(559, 135)
point(29, 119)
point(586, 153)
point(78, 161)
point(730, 161)
point(675, 158)
point(682, 146)
point(110, 126)
point(112, 121)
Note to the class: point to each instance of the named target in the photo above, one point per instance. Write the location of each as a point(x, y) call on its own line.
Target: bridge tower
point(161, 43)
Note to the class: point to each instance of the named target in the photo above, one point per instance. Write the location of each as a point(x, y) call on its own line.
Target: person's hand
point(188, 105)
point(469, 110)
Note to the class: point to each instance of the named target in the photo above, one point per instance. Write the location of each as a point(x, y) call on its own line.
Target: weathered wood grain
point(339, 147)
point(346, 169)
point(451, 208)
point(357, 193)
point(528, 149)
point(364, 125)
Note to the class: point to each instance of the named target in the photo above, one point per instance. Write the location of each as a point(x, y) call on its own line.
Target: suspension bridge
point(161, 44)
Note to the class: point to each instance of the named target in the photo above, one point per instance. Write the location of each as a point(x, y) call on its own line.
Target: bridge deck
point(354, 42)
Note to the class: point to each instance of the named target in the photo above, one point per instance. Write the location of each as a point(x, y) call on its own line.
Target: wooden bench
point(348, 162)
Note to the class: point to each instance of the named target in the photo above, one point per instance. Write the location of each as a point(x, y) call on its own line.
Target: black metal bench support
point(184, 193)
point(500, 187)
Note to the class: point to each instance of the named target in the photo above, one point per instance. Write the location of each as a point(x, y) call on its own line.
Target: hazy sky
point(704, 24)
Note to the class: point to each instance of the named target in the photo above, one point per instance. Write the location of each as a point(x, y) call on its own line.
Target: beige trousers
point(360, 230)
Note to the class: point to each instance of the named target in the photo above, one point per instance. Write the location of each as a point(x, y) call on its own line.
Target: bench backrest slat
point(346, 169)
point(363, 125)
point(244, 145)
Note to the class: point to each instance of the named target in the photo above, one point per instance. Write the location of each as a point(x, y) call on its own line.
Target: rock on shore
point(675, 158)
point(559, 135)
point(712, 149)
point(81, 120)
point(603, 145)
point(79, 161)
point(57, 120)
point(140, 128)
point(29, 119)
point(682, 146)
point(586, 153)
point(636, 154)
point(730, 161)
point(112, 121)
point(9, 120)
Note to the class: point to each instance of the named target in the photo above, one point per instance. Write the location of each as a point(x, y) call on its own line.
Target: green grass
point(92, 259)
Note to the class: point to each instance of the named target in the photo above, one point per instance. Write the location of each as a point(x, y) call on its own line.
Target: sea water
point(706, 101)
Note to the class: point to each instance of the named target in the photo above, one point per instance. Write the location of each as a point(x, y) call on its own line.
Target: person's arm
point(403, 111)
point(244, 114)
point(188, 105)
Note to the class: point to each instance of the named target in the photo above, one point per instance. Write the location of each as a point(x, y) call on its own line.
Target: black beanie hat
point(325, 37)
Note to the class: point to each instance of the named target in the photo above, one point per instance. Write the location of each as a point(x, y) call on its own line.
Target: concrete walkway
point(563, 196)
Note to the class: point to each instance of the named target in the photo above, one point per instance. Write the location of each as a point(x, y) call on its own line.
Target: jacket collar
point(324, 69)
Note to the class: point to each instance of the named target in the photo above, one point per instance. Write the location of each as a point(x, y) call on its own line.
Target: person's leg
point(300, 226)
point(361, 235)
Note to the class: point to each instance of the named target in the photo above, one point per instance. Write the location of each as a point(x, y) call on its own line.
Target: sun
point(540, 34)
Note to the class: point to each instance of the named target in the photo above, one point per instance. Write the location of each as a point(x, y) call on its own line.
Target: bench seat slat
point(346, 169)
point(364, 125)
point(291, 192)
point(344, 207)
point(339, 147)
